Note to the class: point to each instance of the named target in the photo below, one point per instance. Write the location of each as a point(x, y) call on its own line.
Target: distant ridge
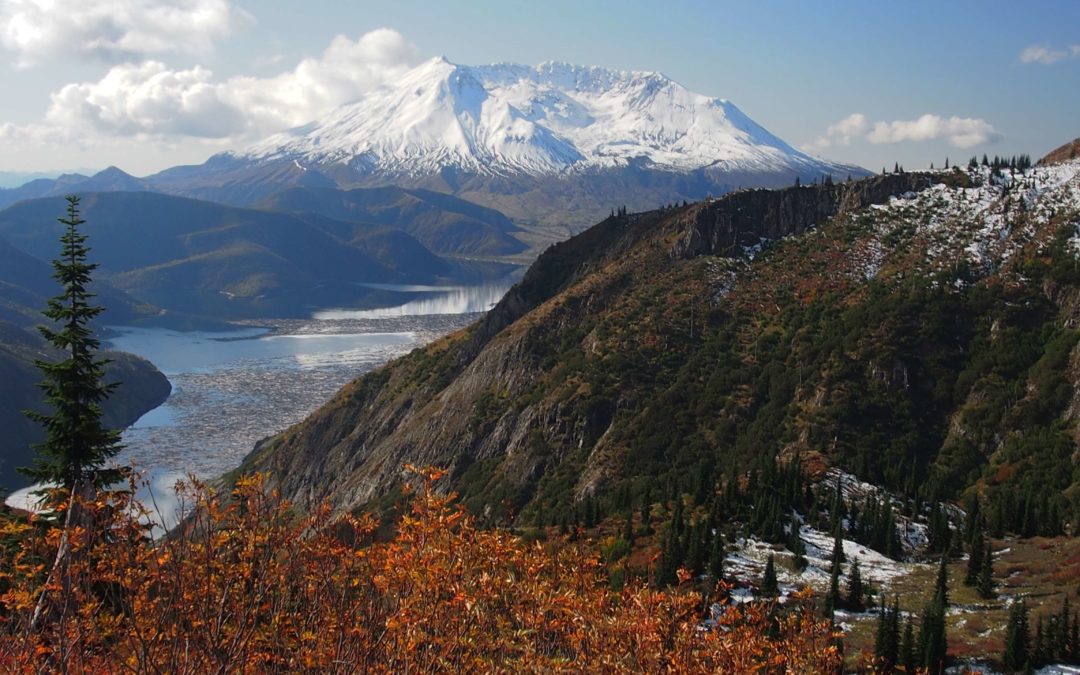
point(1070, 150)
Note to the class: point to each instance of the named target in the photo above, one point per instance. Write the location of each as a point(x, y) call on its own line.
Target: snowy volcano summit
point(552, 119)
point(554, 146)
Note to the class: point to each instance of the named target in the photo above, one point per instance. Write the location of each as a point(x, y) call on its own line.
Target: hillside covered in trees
point(915, 330)
point(884, 365)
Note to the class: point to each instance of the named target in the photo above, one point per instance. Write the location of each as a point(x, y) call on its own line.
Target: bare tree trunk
point(50, 608)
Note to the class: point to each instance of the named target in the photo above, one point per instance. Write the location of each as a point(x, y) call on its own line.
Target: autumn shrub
point(249, 585)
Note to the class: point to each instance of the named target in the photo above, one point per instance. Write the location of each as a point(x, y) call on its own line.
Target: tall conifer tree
point(76, 444)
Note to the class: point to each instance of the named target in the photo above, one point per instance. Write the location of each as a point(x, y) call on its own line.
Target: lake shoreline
point(231, 388)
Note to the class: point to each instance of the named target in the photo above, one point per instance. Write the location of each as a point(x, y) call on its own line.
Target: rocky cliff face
point(513, 405)
point(745, 218)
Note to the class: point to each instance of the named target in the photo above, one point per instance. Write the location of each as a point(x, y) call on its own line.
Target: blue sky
point(145, 84)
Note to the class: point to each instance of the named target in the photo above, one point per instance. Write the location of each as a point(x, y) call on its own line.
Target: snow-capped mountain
point(552, 119)
point(554, 147)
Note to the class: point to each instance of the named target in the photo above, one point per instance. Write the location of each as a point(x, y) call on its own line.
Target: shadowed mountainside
point(203, 258)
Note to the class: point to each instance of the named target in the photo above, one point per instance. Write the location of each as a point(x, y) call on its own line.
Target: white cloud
point(145, 99)
point(149, 100)
point(315, 86)
point(852, 125)
point(842, 132)
point(113, 30)
point(960, 132)
point(1046, 55)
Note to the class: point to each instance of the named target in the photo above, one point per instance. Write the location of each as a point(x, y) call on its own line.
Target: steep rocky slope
point(918, 330)
point(502, 391)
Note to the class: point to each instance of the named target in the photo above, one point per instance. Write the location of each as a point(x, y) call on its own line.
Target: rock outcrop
point(743, 219)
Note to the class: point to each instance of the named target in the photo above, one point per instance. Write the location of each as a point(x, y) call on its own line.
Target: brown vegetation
point(249, 586)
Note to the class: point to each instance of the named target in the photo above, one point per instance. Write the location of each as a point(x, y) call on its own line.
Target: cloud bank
point(960, 132)
point(150, 100)
point(113, 30)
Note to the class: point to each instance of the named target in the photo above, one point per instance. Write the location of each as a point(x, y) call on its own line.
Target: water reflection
point(155, 491)
point(176, 352)
point(436, 300)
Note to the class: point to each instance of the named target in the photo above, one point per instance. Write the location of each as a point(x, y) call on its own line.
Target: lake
point(231, 389)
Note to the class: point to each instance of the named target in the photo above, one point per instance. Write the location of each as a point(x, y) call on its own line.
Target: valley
point(428, 365)
point(232, 388)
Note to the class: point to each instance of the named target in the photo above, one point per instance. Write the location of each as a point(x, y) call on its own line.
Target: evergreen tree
point(670, 556)
point(695, 550)
point(907, 647)
point(716, 557)
point(938, 530)
point(881, 636)
point(1038, 649)
point(838, 549)
point(933, 643)
point(973, 523)
point(76, 444)
point(855, 588)
point(975, 560)
point(887, 639)
point(941, 584)
point(769, 587)
point(1066, 646)
point(832, 600)
point(1059, 634)
point(985, 584)
point(1074, 639)
point(798, 548)
point(646, 515)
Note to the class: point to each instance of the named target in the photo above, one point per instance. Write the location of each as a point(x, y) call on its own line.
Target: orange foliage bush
point(247, 585)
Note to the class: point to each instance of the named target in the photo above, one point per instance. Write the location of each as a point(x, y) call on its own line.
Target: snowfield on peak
point(551, 119)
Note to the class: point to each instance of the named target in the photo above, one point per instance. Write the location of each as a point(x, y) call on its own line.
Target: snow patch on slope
point(989, 222)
